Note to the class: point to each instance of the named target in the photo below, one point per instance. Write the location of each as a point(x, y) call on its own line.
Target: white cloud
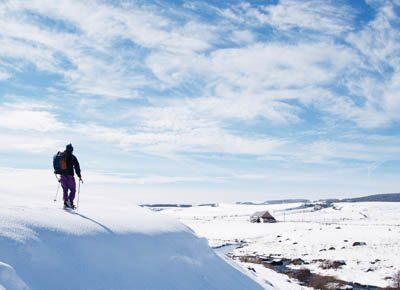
point(27, 142)
point(224, 71)
point(4, 75)
point(241, 82)
point(40, 56)
point(378, 81)
point(353, 151)
point(190, 139)
point(16, 104)
point(28, 119)
point(88, 47)
point(283, 65)
point(379, 39)
point(243, 37)
point(321, 16)
point(257, 80)
point(123, 179)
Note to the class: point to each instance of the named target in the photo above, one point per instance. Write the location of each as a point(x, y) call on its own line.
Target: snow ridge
point(106, 245)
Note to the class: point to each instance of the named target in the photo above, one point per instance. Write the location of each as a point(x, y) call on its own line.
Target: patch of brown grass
point(307, 278)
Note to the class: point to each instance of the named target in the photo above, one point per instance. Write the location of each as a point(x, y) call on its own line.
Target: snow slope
point(109, 244)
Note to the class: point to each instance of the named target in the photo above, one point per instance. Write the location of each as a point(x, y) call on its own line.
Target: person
point(67, 178)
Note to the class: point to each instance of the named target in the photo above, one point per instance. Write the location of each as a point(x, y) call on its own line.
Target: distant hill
point(275, 201)
point(387, 197)
point(384, 197)
point(165, 205)
point(281, 201)
point(248, 203)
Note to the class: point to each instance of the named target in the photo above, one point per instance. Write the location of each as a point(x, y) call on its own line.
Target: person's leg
point(72, 188)
point(64, 185)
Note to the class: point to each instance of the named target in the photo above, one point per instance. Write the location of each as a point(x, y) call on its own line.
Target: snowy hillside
point(109, 244)
point(352, 242)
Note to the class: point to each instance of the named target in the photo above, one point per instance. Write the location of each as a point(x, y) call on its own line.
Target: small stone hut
point(262, 216)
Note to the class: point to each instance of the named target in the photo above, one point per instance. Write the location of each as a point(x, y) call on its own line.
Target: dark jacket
point(72, 162)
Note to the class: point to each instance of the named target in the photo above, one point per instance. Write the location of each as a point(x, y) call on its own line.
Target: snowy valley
point(111, 243)
point(343, 245)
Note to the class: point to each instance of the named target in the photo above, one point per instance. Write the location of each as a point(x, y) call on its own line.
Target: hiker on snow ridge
point(67, 176)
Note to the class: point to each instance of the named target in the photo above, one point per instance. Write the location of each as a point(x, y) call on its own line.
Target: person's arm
point(77, 167)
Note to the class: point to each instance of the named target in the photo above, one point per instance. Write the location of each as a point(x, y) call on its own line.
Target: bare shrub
point(396, 281)
point(250, 259)
point(324, 282)
point(303, 275)
point(327, 264)
point(306, 277)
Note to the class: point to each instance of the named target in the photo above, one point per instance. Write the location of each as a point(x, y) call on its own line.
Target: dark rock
point(331, 249)
point(277, 262)
point(273, 255)
point(332, 264)
point(356, 244)
point(297, 261)
point(251, 269)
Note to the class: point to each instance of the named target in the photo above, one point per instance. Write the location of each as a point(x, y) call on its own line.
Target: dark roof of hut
point(263, 214)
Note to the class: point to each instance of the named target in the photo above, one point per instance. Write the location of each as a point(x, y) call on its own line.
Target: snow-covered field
point(109, 244)
point(308, 234)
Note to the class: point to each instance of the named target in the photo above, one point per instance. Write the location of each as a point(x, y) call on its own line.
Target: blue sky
point(205, 100)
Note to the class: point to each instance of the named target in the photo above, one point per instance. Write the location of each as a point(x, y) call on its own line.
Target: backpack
point(60, 163)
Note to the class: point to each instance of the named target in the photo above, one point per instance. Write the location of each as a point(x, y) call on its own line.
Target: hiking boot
point(71, 205)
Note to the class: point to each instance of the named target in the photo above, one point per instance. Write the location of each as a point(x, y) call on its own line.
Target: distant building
point(262, 216)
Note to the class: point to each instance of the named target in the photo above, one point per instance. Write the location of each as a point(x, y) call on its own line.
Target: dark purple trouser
point(68, 182)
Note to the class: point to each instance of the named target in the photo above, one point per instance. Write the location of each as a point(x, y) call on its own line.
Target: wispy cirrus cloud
point(273, 82)
point(320, 16)
point(379, 44)
point(82, 48)
point(189, 140)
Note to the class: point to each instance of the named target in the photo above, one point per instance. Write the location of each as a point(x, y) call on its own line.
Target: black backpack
point(60, 163)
